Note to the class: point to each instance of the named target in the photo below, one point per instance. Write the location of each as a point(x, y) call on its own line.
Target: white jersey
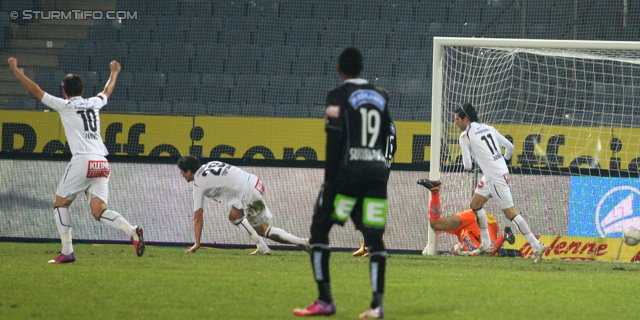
point(81, 121)
point(483, 142)
point(226, 184)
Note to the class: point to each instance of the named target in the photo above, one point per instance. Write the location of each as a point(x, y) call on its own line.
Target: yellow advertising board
point(304, 139)
point(580, 248)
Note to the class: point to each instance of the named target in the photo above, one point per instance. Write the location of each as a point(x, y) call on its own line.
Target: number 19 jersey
point(357, 116)
point(81, 121)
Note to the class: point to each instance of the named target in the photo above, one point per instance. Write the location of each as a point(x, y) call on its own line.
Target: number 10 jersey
point(81, 121)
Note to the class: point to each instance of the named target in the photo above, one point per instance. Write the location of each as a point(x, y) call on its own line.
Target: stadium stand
point(294, 9)
point(264, 8)
point(311, 61)
point(155, 107)
point(147, 86)
point(431, 11)
point(190, 108)
point(170, 29)
point(20, 103)
point(120, 106)
point(214, 88)
point(176, 57)
point(276, 52)
point(210, 58)
point(466, 11)
point(181, 86)
point(193, 9)
point(363, 10)
point(204, 31)
point(330, 9)
point(143, 57)
point(163, 7)
point(396, 11)
point(105, 52)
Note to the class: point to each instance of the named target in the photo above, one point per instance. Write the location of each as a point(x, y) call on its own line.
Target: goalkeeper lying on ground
point(462, 224)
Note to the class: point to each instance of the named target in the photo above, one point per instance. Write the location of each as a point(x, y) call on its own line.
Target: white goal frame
point(436, 87)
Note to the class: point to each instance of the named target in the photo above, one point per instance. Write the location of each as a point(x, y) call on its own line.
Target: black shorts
point(365, 202)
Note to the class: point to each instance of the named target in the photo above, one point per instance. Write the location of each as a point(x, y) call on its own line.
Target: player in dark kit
point(390, 152)
point(355, 184)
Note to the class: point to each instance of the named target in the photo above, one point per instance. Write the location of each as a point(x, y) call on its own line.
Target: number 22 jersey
point(225, 184)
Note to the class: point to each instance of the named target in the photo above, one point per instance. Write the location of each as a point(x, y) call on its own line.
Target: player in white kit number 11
point(482, 143)
point(88, 171)
point(243, 192)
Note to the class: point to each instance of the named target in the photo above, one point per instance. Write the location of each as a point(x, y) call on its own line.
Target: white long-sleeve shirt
point(483, 142)
point(225, 184)
point(81, 121)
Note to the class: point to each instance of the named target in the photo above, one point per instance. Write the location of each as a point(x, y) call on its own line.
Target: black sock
point(377, 266)
point(320, 254)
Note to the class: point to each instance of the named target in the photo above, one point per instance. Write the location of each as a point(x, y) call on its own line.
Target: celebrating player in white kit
point(243, 192)
point(88, 171)
point(483, 142)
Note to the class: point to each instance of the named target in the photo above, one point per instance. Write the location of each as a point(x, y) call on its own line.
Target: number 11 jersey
point(483, 142)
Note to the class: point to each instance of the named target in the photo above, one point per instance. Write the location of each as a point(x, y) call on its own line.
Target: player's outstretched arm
point(198, 222)
point(111, 83)
point(26, 82)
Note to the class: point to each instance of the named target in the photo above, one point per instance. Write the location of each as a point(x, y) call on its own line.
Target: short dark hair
point(189, 162)
point(73, 85)
point(467, 110)
point(350, 61)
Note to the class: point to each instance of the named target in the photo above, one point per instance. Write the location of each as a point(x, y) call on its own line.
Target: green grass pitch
point(110, 282)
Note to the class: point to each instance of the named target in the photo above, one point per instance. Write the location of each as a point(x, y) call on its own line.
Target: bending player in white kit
point(483, 142)
point(88, 171)
point(243, 192)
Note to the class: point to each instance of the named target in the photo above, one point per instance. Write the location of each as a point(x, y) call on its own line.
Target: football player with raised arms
point(482, 143)
point(357, 124)
point(243, 192)
point(88, 171)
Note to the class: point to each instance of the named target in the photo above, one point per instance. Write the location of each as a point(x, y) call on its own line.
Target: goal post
point(571, 108)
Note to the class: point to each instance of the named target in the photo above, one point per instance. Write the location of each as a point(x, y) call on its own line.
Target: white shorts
point(255, 209)
point(86, 173)
point(496, 188)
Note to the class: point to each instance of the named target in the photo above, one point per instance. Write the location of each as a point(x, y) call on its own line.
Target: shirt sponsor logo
point(332, 112)
point(363, 154)
point(482, 131)
point(98, 169)
point(360, 97)
point(260, 186)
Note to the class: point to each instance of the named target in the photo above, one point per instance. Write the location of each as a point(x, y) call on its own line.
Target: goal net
point(572, 111)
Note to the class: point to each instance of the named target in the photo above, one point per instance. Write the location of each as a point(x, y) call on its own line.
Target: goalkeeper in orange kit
point(462, 224)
